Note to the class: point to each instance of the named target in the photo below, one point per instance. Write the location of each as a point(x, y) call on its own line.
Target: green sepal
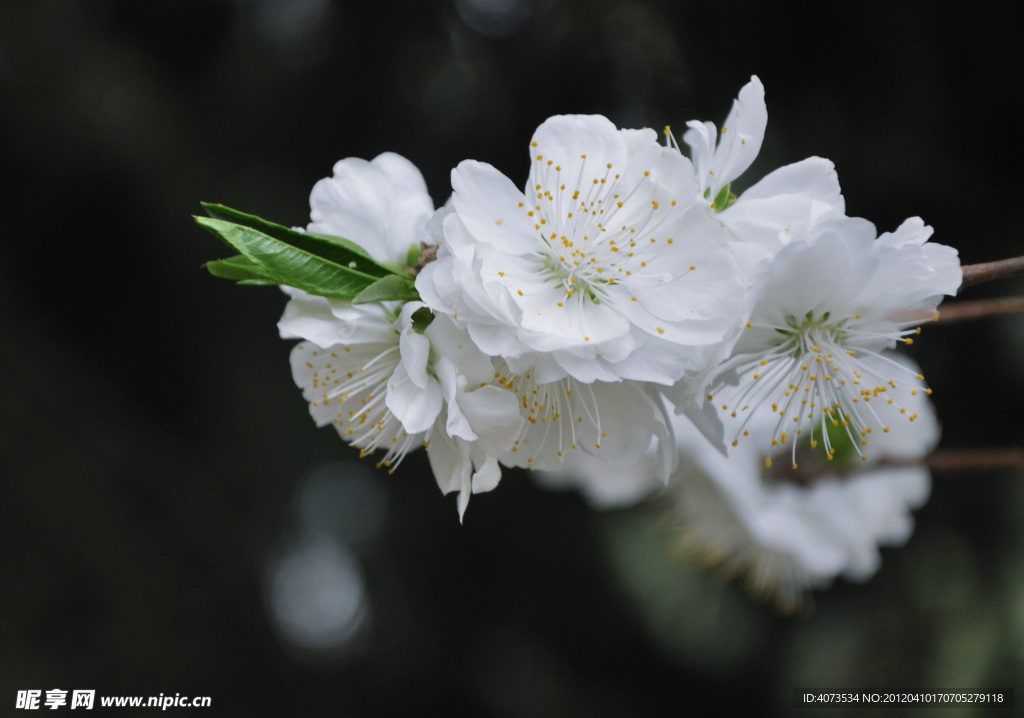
point(722, 199)
point(293, 263)
point(391, 288)
point(847, 451)
point(412, 257)
point(338, 250)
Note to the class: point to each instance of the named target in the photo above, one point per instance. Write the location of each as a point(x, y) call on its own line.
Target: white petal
point(494, 415)
point(702, 138)
point(489, 205)
point(417, 407)
point(785, 204)
point(913, 231)
point(738, 144)
point(452, 468)
point(309, 317)
point(381, 205)
point(415, 352)
point(488, 474)
point(583, 146)
point(453, 343)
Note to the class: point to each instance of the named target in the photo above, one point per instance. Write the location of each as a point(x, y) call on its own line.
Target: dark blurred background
point(172, 521)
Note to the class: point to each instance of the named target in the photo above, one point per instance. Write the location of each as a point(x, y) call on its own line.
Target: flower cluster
point(615, 318)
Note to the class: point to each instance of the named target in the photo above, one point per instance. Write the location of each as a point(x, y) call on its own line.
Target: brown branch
point(979, 309)
point(975, 459)
point(977, 273)
point(941, 461)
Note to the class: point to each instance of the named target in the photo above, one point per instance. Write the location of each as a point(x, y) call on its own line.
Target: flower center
point(349, 386)
point(595, 230)
point(822, 375)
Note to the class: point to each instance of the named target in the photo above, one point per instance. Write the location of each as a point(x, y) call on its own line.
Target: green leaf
point(340, 251)
point(394, 287)
point(290, 264)
point(241, 268)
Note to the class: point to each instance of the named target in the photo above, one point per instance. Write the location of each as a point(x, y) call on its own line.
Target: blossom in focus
point(599, 270)
point(555, 321)
point(812, 355)
point(786, 532)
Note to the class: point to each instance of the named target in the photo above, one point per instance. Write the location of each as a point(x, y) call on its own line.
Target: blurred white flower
point(598, 271)
point(786, 532)
point(606, 483)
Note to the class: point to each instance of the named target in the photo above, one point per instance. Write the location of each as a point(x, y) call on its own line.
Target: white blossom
point(350, 364)
point(391, 377)
point(823, 312)
point(555, 318)
point(388, 386)
point(599, 271)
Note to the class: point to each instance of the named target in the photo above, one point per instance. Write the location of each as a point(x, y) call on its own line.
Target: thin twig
point(975, 459)
point(977, 273)
point(979, 309)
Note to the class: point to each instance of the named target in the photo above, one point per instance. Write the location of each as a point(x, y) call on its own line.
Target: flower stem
point(979, 309)
point(977, 273)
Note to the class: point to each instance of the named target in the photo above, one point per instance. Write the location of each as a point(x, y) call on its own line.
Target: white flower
point(598, 271)
point(358, 362)
point(387, 384)
point(787, 532)
point(824, 310)
point(382, 205)
point(761, 220)
point(482, 420)
point(351, 371)
point(392, 377)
